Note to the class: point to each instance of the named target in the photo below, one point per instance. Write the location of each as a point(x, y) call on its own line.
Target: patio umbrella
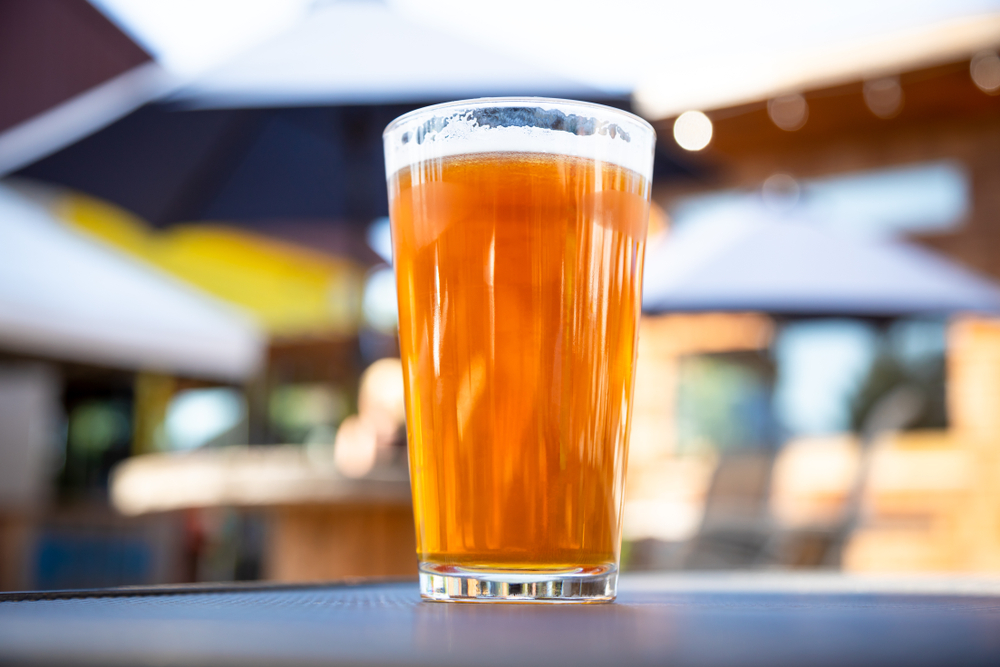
point(797, 268)
point(65, 71)
point(367, 53)
point(64, 296)
point(249, 165)
point(293, 129)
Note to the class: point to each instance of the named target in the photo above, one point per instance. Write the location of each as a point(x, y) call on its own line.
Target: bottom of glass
point(452, 583)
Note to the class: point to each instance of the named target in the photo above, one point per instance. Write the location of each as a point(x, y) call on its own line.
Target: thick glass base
point(451, 583)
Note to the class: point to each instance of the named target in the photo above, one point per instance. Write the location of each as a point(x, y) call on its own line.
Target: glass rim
point(515, 101)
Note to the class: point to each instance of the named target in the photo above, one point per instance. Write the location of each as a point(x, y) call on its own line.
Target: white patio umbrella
point(366, 53)
point(67, 297)
point(723, 77)
point(799, 268)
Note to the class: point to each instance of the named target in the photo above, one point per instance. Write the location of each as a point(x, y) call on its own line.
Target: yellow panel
point(291, 290)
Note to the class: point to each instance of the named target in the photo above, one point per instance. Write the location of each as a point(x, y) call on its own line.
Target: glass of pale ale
point(518, 228)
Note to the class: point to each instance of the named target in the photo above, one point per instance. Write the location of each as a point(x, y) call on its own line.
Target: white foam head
point(521, 125)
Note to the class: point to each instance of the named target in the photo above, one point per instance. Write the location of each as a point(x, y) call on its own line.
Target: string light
point(985, 71)
point(789, 112)
point(884, 97)
point(692, 130)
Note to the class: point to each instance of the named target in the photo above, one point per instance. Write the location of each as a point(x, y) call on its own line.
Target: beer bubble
point(531, 117)
point(503, 125)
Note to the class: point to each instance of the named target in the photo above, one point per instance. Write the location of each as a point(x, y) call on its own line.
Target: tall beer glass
point(518, 230)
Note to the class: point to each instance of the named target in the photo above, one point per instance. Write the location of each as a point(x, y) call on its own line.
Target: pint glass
point(518, 230)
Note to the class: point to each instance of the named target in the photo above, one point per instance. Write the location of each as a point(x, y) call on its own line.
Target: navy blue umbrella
point(169, 165)
point(293, 128)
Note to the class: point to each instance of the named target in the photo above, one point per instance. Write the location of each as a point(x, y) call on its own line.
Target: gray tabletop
point(669, 619)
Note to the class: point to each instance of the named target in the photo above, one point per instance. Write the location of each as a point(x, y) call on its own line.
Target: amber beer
point(519, 282)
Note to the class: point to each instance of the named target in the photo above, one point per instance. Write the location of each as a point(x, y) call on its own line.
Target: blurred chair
point(738, 530)
point(932, 501)
point(816, 533)
point(737, 525)
point(893, 412)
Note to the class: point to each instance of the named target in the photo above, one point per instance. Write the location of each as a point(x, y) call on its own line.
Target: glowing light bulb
point(692, 130)
point(789, 112)
point(985, 71)
point(884, 97)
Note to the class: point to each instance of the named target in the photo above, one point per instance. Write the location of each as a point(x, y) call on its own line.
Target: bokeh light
point(692, 130)
point(196, 417)
point(780, 193)
point(788, 112)
point(379, 304)
point(379, 236)
point(985, 71)
point(884, 96)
